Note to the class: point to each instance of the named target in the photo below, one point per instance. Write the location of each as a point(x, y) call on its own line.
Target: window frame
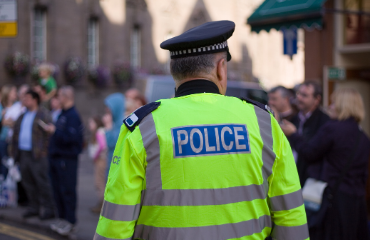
point(93, 46)
point(37, 56)
point(135, 47)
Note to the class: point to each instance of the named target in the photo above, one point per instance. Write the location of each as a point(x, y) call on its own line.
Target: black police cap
point(210, 37)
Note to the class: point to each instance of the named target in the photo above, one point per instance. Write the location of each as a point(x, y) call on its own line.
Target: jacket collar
point(196, 86)
point(67, 110)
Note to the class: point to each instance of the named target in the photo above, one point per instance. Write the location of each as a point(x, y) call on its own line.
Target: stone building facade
point(102, 32)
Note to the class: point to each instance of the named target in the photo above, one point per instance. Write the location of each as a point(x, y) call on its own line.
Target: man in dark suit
point(309, 119)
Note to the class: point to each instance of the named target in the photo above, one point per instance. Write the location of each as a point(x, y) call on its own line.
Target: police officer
point(202, 165)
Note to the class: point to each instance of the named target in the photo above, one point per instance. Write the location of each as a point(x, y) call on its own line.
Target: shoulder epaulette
point(258, 104)
point(135, 118)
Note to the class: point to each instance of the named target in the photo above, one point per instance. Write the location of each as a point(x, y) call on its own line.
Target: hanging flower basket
point(122, 73)
point(98, 76)
point(17, 64)
point(73, 70)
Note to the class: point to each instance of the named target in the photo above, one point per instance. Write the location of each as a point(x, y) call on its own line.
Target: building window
point(39, 34)
point(93, 43)
point(357, 21)
point(135, 48)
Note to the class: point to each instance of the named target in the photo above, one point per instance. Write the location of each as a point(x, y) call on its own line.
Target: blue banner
point(290, 41)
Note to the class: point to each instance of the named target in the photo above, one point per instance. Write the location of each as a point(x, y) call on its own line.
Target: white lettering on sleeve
point(182, 142)
point(199, 149)
point(208, 148)
point(226, 147)
point(239, 137)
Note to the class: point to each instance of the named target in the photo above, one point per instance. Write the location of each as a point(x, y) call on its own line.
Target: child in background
point(97, 152)
point(47, 81)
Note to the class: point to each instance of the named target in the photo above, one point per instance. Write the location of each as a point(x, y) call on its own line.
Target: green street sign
point(336, 73)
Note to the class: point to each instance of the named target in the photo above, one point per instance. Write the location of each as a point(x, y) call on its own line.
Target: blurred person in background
point(18, 108)
point(293, 99)
point(132, 93)
point(279, 99)
point(8, 98)
point(56, 108)
point(334, 145)
point(41, 91)
point(112, 121)
point(30, 144)
point(65, 145)
point(97, 152)
point(134, 100)
point(47, 80)
point(12, 114)
point(308, 121)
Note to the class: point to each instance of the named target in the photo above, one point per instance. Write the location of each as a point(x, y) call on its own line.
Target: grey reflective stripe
point(290, 233)
point(99, 237)
point(287, 201)
point(198, 197)
point(119, 212)
point(225, 231)
point(151, 145)
point(268, 155)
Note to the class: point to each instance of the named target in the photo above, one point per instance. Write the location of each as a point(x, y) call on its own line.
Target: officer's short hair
point(193, 66)
point(285, 93)
point(317, 90)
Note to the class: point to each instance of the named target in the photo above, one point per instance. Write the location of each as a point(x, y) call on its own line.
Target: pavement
point(15, 231)
point(87, 220)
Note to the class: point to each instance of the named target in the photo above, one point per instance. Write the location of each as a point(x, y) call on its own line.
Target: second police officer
point(202, 165)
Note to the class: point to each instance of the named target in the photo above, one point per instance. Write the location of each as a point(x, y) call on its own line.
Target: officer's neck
point(196, 86)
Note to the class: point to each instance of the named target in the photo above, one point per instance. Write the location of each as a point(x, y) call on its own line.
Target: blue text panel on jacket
point(201, 140)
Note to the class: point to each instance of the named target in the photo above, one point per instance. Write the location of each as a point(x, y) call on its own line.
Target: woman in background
point(339, 141)
point(8, 98)
point(97, 152)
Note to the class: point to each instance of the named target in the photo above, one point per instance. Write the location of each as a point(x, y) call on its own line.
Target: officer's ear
point(222, 74)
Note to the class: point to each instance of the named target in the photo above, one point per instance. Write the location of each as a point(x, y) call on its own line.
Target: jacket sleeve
point(122, 195)
point(285, 196)
point(15, 138)
point(315, 149)
point(47, 117)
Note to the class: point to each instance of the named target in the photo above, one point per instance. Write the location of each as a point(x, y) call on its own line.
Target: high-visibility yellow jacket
point(203, 166)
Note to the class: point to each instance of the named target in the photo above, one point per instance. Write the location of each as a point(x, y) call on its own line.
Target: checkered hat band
point(200, 50)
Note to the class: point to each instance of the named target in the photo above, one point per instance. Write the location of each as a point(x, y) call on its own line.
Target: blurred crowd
point(104, 131)
point(42, 132)
point(331, 152)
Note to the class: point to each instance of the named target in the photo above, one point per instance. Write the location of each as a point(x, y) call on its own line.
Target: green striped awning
point(287, 13)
